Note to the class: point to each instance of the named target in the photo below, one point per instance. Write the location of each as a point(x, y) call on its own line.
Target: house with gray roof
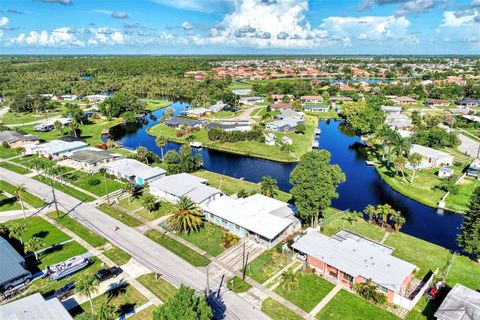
point(431, 158)
point(34, 307)
point(92, 159)
point(284, 125)
point(461, 303)
point(467, 103)
point(179, 122)
point(398, 121)
point(12, 267)
point(16, 140)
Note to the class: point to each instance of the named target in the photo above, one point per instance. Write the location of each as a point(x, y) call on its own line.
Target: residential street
point(469, 146)
point(146, 251)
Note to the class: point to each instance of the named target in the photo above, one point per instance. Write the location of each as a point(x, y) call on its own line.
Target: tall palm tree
point(398, 219)
point(33, 245)
point(161, 141)
point(19, 191)
point(130, 189)
point(73, 128)
point(384, 134)
point(87, 286)
point(371, 212)
point(401, 146)
point(106, 312)
point(268, 186)
point(16, 230)
point(187, 216)
point(103, 172)
point(142, 153)
point(290, 280)
point(414, 160)
point(400, 163)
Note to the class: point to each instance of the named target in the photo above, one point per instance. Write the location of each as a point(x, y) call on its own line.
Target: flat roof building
point(92, 159)
point(55, 148)
point(16, 140)
point(178, 122)
point(461, 303)
point(431, 157)
point(34, 307)
point(134, 171)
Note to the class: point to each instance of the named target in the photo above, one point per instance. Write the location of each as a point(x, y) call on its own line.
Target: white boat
point(196, 144)
point(318, 131)
point(315, 145)
point(65, 268)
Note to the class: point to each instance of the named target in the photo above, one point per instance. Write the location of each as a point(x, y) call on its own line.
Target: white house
point(315, 108)
point(249, 101)
point(311, 99)
point(219, 106)
point(391, 109)
point(54, 149)
point(431, 157)
point(285, 125)
point(49, 124)
point(398, 121)
point(171, 188)
point(445, 172)
point(267, 219)
point(134, 170)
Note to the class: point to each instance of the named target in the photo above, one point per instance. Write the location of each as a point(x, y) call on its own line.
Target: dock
point(196, 144)
point(315, 144)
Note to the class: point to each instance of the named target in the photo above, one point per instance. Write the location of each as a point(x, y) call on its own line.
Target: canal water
point(362, 187)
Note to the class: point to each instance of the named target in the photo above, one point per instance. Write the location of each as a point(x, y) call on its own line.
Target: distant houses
point(432, 158)
point(250, 101)
point(284, 125)
point(467, 103)
point(16, 140)
point(179, 122)
point(311, 99)
point(405, 100)
point(134, 171)
point(391, 109)
point(282, 98)
point(49, 124)
point(315, 108)
point(230, 127)
point(54, 149)
point(335, 100)
point(398, 121)
point(437, 103)
point(281, 106)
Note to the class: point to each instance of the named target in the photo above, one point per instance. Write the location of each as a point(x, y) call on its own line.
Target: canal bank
point(363, 186)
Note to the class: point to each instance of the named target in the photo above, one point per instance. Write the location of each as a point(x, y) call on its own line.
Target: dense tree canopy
point(184, 305)
point(469, 237)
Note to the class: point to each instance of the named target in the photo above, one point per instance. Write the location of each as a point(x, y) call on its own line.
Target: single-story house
point(16, 140)
point(350, 259)
point(474, 169)
point(437, 103)
point(468, 102)
point(405, 100)
point(96, 97)
point(391, 109)
point(340, 99)
point(431, 157)
point(55, 148)
point(461, 303)
point(281, 106)
point(49, 124)
point(315, 108)
point(92, 159)
point(267, 219)
point(34, 307)
point(197, 112)
point(179, 122)
point(459, 112)
point(284, 125)
point(282, 97)
point(171, 188)
point(249, 101)
point(311, 99)
point(445, 172)
point(68, 97)
point(12, 268)
point(242, 92)
point(135, 171)
point(398, 121)
point(230, 127)
point(270, 139)
point(289, 113)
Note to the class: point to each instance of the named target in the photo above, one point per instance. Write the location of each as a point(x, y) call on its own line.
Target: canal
point(362, 187)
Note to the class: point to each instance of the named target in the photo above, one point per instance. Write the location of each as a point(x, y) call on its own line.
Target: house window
point(382, 289)
point(347, 277)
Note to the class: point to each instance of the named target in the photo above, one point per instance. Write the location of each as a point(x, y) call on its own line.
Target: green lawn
point(159, 287)
point(83, 232)
point(8, 203)
point(459, 202)
point(23, 117)
point(209, 239)
point(66, 189)
point(179, 249)
point(266, 265)
point(14, 168)
point(117, 255)
point(346, 306)
point(164, 208)
point(155, 104)
point(81, 180)
point(466, 272)
point(59, 254)
point(120, 215)
point(6, 153)
point(311, 290)
point(124, 299)
point(145, 314)
point(27, 197)
point(237, 285)
point(278, 311)
point(231, 185)
point(360, 227)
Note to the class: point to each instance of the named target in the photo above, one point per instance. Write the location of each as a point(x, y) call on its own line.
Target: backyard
point(93, 183)
point(266, 265)
point(278, 311)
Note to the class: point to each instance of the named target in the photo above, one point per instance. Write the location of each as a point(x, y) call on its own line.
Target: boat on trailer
point(68, 267)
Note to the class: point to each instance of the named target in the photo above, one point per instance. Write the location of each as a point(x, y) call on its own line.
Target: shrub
point(93, 181)
point(229, 239)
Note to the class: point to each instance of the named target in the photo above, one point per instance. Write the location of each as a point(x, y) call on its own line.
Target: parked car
point(301, 257)
point(65, 291)
point(105, 274)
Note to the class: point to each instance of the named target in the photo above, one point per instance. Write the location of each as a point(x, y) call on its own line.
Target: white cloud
point(196, 5)
point(186, 26)
point(461, 26)
point(4, 22)
point(458, 19)
point(60, 37)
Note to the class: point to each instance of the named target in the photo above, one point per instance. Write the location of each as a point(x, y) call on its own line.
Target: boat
point(369, 163)
point(315, 145)
point(318, 131)
point(196, 144)
point(68, 267)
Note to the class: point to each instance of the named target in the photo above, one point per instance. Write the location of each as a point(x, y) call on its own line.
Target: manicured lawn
point(23, 117)
point(124, 298)
point(6, 153)
point(83, 232)
point(66, 189)
point(231, 185)
point(266, 265)
point(466, 272)
point(347, 306)
point(159, 287)
point(237, 285)
point(460, 201)
point(179, 249)
point(59, 254)
point(14, 168)
point(27, 197)
point(117, 255)
point(311, 290)
point(81, 180)
point(155, 104)
point(145, 314)
point(164, 208)
point(120, 215)
point(360, 227)
point(209, 239)
point(278, 311)
point(8, 203)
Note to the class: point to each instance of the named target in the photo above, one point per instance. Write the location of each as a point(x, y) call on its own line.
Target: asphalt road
point(146, 251)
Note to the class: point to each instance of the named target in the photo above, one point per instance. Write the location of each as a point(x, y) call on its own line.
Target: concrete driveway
point(469, 146)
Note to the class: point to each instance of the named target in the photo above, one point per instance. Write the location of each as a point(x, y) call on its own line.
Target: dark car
point(65, 291)
point(105, 274)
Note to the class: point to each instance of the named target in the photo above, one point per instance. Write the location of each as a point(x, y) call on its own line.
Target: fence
point(409, 304)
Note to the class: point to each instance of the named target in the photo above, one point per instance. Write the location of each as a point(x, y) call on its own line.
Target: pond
point(363, 185)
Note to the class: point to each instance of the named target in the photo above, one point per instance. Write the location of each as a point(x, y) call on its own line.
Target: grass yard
point(231, 185)
point(466, 272)
point(237, 285)
point(27, 197)
point(159, 287)
point(14, 168)
point(120, 215)
point(8, 203)
point(164, 208)
point(278, 311)
point(360, 227)
point(266, 265)
point(81, 180)
point(179, 249)
point(38, 227)
point(124, 299)
point(24, 117)
point(145, 314)
point(6, 153)
point(66, 189)
point(60, 254)
point(348, 306)
point(117, 255)
point(83, 232)
point(209, 239)
point(155, 104)
point(459, 202)
point(311, 290)
point(424, 310)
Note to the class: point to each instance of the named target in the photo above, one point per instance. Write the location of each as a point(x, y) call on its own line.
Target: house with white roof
point(432, 158)
point(391, 109)
point(249, 101)
point(268, 220)
point(34, 307)
point(49, 124)
point(171, 188)
point(134, 171)
point(461, 303)
point(54, 149)
point(350, 259)
point(91, 159)
point(398, 121)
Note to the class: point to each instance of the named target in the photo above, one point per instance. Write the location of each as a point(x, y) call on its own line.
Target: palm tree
point(352, 217)
point(106, 312)
point(33, 245)
point(57, 125)
point(142, 153)
point(103, 172)
point(73, 128)
point(371, 212)
point(398, 219)
point(385, 135)
point(289, 280)
point(161, 141)
point(130, 188)
point(414, 160)
point(19, 191)
point(87, 286)
point(400, 163)
point(16, 230)
point(187, 216)
point(268, 187)
point(401, 146)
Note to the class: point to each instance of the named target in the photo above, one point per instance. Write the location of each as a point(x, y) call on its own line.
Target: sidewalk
point(326, 300)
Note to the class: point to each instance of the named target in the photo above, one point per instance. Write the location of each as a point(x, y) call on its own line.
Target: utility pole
point(207, 292)
point(54, 198)
point(243, 262)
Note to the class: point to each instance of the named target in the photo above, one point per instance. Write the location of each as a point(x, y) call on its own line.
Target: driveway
point(469, 146)
point(243, 117)
point(147, 252)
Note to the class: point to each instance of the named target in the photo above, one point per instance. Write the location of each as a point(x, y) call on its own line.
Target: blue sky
point(239, 26)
